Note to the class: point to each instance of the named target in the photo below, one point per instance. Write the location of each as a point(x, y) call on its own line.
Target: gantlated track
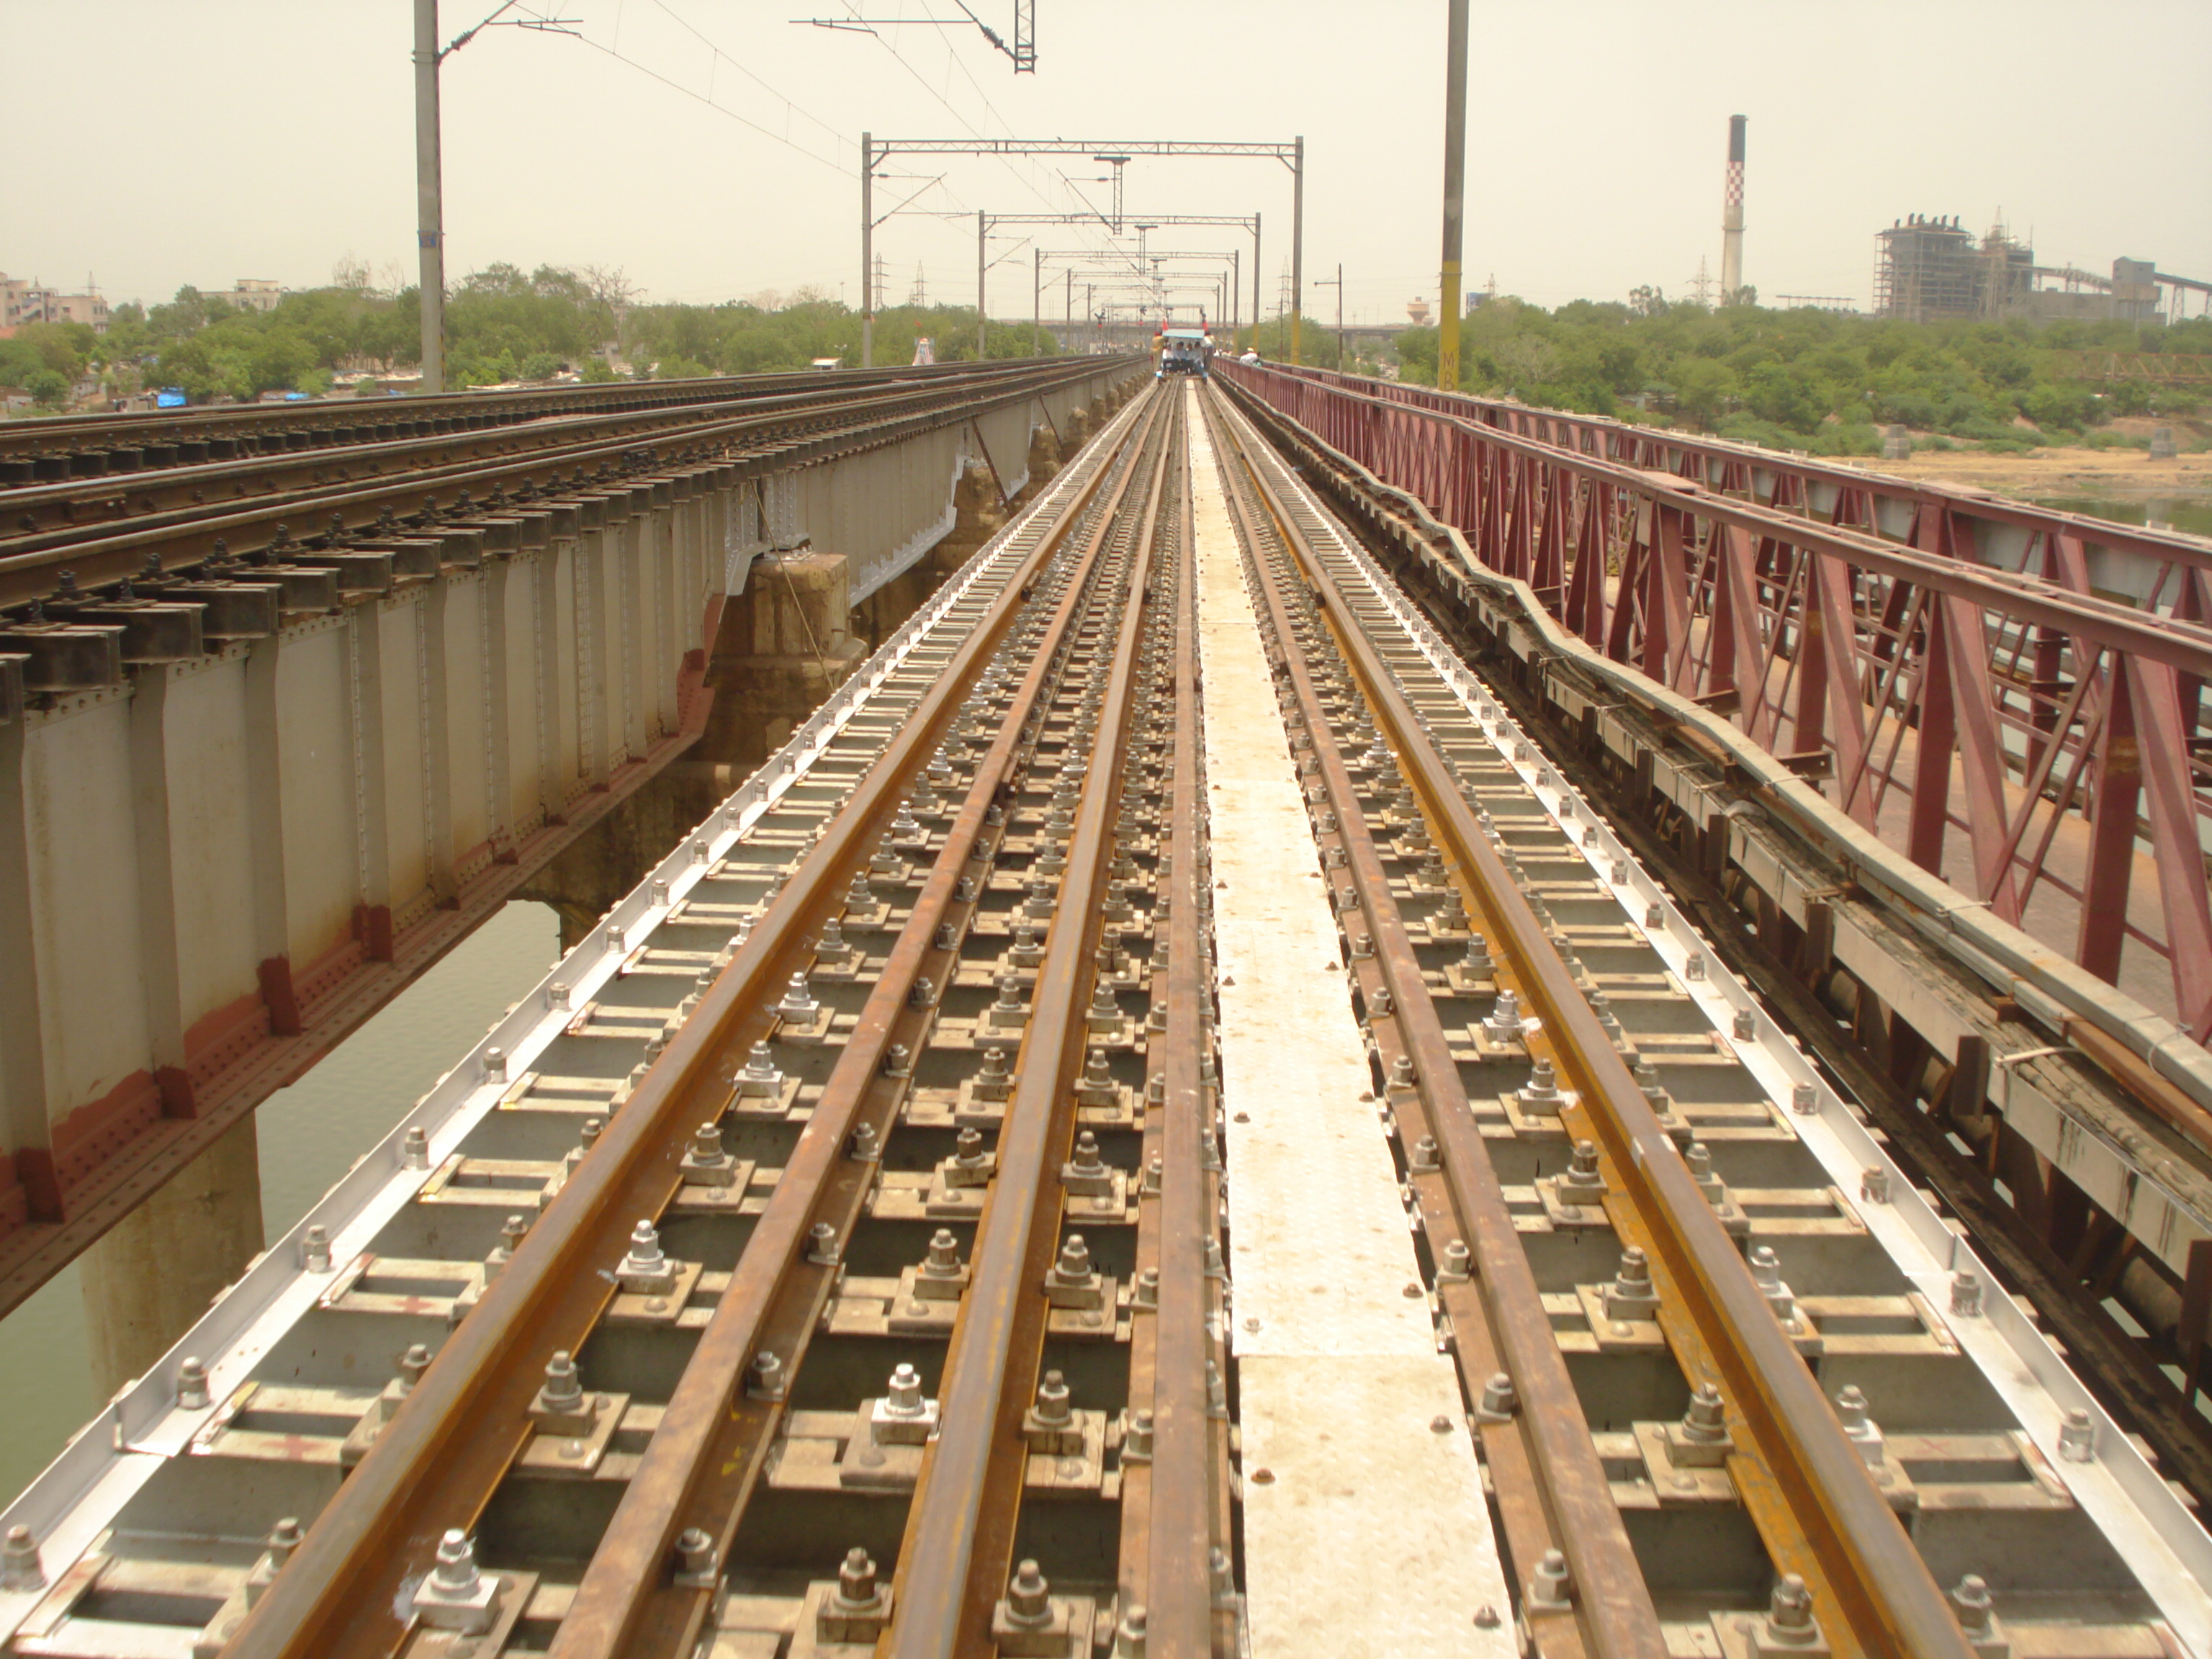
point(887, 1305)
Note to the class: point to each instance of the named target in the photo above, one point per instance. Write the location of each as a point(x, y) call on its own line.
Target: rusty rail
point(438, 1461)
point(1827, 1518)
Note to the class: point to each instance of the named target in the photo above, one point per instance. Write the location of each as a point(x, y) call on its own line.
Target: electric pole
point(1455, 190)
point(429, 207)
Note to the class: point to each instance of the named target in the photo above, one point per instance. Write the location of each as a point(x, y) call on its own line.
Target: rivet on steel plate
point(2077, 1436)
point(191, 1384)
point(1967, 1294)
point(315, 1248)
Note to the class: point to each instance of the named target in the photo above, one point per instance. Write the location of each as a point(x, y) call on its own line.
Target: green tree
point(46, 387)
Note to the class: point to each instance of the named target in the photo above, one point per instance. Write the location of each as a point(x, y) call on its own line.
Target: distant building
point(1930, 269)
point(22, 303)
point(252, 293)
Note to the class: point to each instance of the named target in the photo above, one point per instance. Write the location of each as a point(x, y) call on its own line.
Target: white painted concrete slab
point(1370, 1533)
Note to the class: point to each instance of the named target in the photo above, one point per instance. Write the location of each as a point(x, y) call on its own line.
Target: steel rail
point(438, 1461)
point(1884, 1600)
point(1615, 1616)
point(111, 558)
point(2183, 646)
point(703, 1461)
point(47, 516)
point(960, 1528)
point(65, 436)
point(1174, 1508)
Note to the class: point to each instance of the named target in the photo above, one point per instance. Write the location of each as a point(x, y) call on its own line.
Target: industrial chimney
point(1732, 215)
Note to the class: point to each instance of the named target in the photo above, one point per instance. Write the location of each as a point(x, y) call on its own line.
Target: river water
point(310, 1134)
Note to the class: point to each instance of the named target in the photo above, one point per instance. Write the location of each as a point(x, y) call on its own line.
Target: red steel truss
point(1932, 659)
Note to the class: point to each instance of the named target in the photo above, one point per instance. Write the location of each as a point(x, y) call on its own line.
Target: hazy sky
point(163, 141)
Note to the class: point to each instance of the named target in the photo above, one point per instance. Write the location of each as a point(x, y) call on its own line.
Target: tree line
point(1806, 379)
point(502, 325)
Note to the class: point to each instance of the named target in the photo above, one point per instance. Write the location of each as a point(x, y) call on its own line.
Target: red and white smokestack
point(1732, 215)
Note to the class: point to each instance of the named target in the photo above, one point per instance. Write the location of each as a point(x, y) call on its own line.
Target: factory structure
point(1932, 269)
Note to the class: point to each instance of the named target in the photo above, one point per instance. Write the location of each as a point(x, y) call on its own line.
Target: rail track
point(343, 508)
point(82, 447)
point(1160, 1124)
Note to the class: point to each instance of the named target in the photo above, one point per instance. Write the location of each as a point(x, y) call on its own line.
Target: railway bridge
point(1365, 1022)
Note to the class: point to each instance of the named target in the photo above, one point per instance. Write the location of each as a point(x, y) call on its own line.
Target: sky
point(709, 149)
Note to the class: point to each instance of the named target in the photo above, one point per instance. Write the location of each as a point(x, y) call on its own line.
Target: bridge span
point(295, 698)
point(1387, 1023)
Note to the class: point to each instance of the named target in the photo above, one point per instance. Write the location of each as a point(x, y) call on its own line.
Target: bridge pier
point(154, 1272)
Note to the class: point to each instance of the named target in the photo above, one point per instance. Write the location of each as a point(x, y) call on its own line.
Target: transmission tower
point(1702, 283)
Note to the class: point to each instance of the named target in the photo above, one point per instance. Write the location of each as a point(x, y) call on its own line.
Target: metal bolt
point(822, 1245)
point(1804, 1100)
point(564, 1391)
point(556, 995)
point(856, 1582)
point(1790, 1613)
point(191, 1384)
point(645, 1257)
point(1074, 1263)
point(1874, 1184)
point(315, 1248)
point(1129, 1634)
point(695, 1552)
point(20, 1566)
point(902, 1398)
point(1029, 1598)
point(944, 1259)
point(1747, 1024)
point(767, 1375)
point(415, 1148)
point(412, 1364)
point(1052, 1399)
point(1966, 1295)
point(1499, 1398)
point(1706, 1420)
point(456, 1571)
point(1552, 1586)
point(1401, 1072)
point(2077, 1436)
point(1970, 1601)
point(866, 1145)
